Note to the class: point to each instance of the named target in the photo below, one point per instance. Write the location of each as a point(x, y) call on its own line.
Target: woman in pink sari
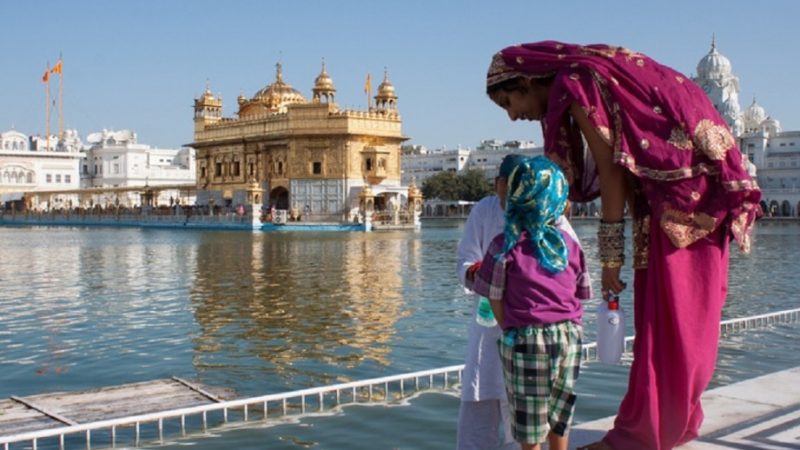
point(635, 132)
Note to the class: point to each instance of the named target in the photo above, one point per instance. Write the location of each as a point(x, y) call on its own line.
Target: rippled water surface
point(269, 312)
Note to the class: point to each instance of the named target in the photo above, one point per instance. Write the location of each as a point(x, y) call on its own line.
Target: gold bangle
point(611, 243)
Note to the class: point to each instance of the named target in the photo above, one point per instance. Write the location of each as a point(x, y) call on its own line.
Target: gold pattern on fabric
point(640, 62)
point(499, 71)
point(644, 144)
point(574, 76)
point(657, 109)
point(608, 52)
point(680, 139)
point(679, 79)
point(739, 228)
point(641, 241)
point(683, 228)
point(740, 185)
point(695, 195)
point(713, 140)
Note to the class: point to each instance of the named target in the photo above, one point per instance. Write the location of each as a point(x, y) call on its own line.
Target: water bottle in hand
point(485, 316)
point(610, 331)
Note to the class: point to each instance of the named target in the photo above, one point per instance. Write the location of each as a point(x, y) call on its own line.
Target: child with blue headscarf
point(535, 276)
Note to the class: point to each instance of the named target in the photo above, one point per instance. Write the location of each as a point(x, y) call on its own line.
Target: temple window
point(317, 167)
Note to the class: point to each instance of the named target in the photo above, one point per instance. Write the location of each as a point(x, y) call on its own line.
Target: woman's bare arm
point(612, 187)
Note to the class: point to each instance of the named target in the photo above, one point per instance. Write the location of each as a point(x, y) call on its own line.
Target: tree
point(450, 186)
point(474, 185)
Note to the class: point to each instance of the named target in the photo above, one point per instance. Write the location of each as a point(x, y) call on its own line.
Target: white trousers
point(484, 425)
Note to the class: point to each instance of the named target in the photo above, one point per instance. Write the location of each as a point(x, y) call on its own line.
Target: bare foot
point(599, 445)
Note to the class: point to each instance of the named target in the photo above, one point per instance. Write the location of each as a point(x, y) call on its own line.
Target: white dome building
point(715, 76)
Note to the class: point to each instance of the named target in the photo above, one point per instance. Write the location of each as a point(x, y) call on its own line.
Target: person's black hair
point(516, 84)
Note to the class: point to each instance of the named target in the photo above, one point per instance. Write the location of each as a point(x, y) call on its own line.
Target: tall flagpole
point(60, 97)
point(46, 79)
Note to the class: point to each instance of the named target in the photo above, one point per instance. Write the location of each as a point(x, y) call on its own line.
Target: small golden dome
point(323, 82)
point(208, 99)
point(386, 89)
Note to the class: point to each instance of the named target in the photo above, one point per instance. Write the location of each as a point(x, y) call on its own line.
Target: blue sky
point(140, 64)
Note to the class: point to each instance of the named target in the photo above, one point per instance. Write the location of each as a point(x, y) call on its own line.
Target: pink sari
point(693, 194)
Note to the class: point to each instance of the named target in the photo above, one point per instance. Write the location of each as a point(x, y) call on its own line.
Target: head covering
point(660, 125)
point(537, 196)
point(509, 163)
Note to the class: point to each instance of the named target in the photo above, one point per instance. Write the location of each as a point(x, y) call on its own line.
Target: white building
point(419, 163)
point(31, 163)
point(774, 153)
point(116, 159)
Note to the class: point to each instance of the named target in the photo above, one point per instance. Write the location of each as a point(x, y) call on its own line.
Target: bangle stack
point(611, 243)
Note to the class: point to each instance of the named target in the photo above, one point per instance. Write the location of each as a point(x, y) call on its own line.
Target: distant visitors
point(656, 142)
point(535, 276)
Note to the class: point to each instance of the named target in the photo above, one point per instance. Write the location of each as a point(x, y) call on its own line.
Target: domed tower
point(323, 87)
point(715, 76)
point(386, 99)
point(207, 109)
point(754, 117)
point(274, 98)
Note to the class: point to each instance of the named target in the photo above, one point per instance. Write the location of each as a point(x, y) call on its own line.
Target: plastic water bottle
point(485, 316)
point(610, 331)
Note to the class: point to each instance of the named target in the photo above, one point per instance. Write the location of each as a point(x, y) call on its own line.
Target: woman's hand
point(610, 281)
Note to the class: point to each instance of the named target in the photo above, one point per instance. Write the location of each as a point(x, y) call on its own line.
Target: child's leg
point(557, 442)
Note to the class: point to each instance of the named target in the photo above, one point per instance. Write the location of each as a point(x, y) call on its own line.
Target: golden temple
point(311, 158)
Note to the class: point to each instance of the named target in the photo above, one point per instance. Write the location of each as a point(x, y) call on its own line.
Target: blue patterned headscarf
point(537, 196)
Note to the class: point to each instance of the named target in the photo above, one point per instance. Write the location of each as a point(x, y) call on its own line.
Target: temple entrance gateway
point(279, 198)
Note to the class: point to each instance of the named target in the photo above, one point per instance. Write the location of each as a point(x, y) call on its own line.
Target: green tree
point(443, 186)
point(469, 186)
point(474, 185)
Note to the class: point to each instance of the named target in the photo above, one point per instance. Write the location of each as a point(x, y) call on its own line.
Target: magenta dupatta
point(661, 126)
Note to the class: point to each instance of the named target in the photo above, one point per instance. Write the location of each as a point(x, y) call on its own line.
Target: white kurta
point(483, 374)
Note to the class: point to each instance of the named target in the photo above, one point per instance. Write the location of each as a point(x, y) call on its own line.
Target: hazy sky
point(139, 64)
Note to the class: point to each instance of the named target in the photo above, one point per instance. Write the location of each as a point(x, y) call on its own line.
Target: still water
point(262, 313)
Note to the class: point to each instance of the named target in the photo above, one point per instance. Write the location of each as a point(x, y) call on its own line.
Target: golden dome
point(208, 99)
point(278, 94)
point(386, 89)
point(323, 82)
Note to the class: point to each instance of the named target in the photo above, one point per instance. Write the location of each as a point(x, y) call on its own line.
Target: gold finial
point(279, 72)
point(323, 64)
point(713, 41)
point(385, 73)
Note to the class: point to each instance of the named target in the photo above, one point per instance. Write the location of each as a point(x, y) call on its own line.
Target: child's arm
point(497, 310)
point(490, 278)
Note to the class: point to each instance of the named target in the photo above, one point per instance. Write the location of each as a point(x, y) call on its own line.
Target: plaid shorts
point(541, 365)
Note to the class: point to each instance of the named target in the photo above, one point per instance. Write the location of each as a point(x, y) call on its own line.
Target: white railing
point(319, 399)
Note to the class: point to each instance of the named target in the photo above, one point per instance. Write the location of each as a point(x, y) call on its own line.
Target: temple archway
point(279, 198)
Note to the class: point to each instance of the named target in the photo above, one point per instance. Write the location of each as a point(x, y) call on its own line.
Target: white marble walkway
point(761, 413)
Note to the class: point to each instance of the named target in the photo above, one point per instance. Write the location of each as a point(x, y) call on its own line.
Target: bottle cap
point(613, 304)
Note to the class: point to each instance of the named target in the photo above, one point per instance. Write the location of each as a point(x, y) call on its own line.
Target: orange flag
point(46, 76)
point(368, 85)
point(57, 68)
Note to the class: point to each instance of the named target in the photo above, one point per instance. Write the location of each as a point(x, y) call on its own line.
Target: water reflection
point(284, 304)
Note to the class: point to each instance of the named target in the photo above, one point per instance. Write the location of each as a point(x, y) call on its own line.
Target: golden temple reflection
point(280, 304)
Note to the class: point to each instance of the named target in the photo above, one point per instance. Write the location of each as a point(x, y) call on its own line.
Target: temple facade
point(308, 157)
